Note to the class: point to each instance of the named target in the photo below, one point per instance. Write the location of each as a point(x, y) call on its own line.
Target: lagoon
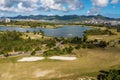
point(64, 31)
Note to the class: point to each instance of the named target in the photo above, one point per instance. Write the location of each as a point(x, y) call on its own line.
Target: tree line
point(32, 24)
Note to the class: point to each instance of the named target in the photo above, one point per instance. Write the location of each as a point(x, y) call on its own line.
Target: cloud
point(114, 1)
point(100, 3)
point(93, 11)
point(96, 6)
point(34, 5)
point(61, 5)
point(51, 5)
point(17, 5)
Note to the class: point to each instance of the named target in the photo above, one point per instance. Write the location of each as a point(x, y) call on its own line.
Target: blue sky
point(110, 8)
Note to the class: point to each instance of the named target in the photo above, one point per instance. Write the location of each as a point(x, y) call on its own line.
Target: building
point(6, 20)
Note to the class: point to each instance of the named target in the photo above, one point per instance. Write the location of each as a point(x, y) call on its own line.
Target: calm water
point(65, 31)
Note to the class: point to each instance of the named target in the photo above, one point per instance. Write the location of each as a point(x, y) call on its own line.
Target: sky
point(109, 8)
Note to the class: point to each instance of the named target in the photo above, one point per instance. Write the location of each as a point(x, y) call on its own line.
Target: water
point(64, 31)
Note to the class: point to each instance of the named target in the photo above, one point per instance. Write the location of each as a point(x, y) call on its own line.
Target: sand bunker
point(31, 59)
point(62, 58)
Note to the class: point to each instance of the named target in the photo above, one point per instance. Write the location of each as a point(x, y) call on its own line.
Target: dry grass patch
point(89, 62)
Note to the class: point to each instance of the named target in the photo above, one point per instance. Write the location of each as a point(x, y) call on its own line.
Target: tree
point(34, 32)
point(78, 46)
point(42, 33)
point(55, 51)
point(33, 53)
point(75, 40)
point(109, 75)
point(37, 49)
point(118, 29)
point(102, 44)
point(68, 50)
point(27, 31)
point(6, 55)
point(85, 38)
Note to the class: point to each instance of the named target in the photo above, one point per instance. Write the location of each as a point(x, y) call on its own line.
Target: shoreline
point(48, 26)
point(21, 26)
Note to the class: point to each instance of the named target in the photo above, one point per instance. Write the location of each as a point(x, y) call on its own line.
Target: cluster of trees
point(109, 75)
point(12, 41)
point(58, 51)
point(51, 52)
point(84, 43)
point(98, 32)
point(108, 25)
point(118, 29)
point(97, 44)
point(10, 36)
point(76, 43)
point(28, 23)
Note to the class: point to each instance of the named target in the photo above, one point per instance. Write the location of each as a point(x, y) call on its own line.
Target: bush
point(33, 53)
point(102, 44)
point(78, 47)
point(98, 32)
point(90, 46)
point(109, 75)
point(55, 51)
point(118, 29)
point(68, 50)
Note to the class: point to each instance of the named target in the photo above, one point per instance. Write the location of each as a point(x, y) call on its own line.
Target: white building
point(5, 20)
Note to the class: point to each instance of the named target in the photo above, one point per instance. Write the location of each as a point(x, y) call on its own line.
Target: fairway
point(89, 62)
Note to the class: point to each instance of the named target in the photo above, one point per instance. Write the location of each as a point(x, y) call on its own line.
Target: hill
point(65, 17)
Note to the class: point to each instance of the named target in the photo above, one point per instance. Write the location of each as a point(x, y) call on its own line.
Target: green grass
point(89, 63)
point(106, 37)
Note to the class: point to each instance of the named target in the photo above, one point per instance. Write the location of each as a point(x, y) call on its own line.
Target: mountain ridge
point(64, 17)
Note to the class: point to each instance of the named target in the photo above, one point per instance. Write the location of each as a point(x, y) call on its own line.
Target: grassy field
point(32, 36)
point(89, 62)
point(106, 37)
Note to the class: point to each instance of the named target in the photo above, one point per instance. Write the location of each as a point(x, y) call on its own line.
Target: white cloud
point(33, 5)
point(100, 3)
point(51, 4)
point(114, 1)
point(30, 6)
point(2, 2)
point(93, 11)
point(60, 4)
point(75, 4)
point(96, 6)
point(18, 5)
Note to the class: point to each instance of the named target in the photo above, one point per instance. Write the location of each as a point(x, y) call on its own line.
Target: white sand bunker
point(62, 58)
point(30, 59)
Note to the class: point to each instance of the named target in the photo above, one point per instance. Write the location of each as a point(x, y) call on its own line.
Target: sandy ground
point(62, 58)
point(42, 73)
point(30, 59)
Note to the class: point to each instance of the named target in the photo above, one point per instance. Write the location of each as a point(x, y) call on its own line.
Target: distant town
point(69, 19)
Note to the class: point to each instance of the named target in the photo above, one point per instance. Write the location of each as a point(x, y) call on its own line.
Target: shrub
point(55, 51)
point(109, 75)
point(102, 44)
point(33, 52)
